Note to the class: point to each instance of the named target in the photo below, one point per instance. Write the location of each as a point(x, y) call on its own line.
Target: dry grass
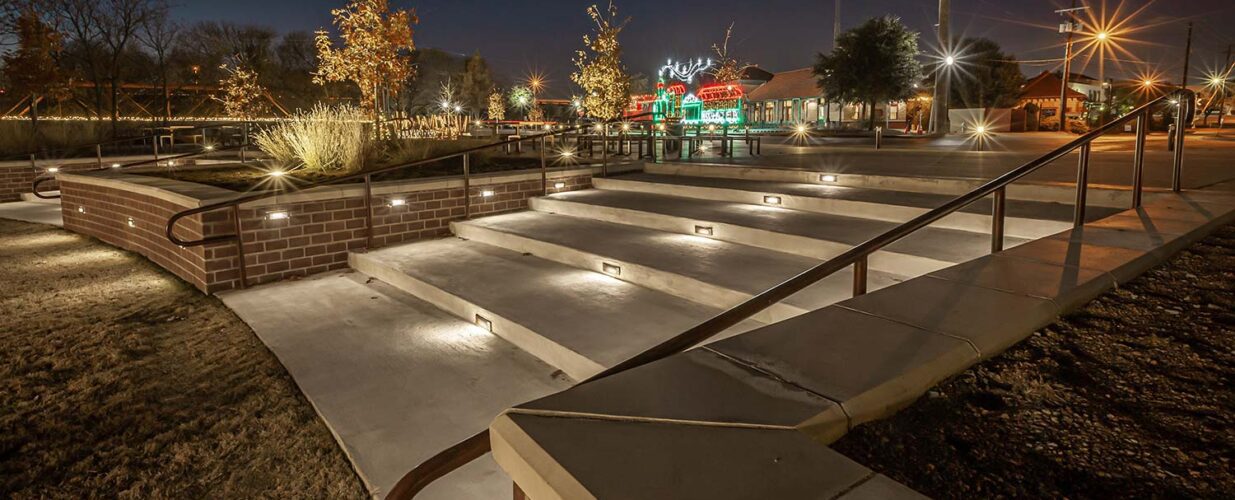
point(119, 380)
point(322, 139)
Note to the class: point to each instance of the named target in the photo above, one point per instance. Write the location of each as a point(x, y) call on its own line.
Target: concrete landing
point(577, 320)
point(705, 270)
point(40, 212)
point(395, 379)
point(1025, 218)
point(809, 234)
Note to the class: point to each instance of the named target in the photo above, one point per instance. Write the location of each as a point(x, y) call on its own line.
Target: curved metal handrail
point(39, 181)
point(454, 457)
point(359, 176)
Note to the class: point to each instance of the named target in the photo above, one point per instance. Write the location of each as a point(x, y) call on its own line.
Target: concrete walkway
point(394, 378)
point(41, 212)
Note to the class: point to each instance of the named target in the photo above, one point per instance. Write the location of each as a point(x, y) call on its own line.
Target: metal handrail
point(456, 456)
point(100, 144)
point(39, 181)
point(367, 177)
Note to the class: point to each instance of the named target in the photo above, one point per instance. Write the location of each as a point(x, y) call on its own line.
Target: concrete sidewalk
point(41, 212)
point(394, 378)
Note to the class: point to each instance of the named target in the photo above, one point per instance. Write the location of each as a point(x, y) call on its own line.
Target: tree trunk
point(115, 107)
point(871, 116)
point(34, 123)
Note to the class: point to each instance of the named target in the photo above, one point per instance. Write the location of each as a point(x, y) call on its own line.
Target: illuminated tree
point(521, 97)
point(727, 69)
point(31, 68)
point(375, 52)
point(497, 105)
point(241, 94)
point(875, 62)
point(606, 87)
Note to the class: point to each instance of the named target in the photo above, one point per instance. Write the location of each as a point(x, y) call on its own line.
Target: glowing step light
point(52, 170)
point(703, 230)
point(277, 215)
point(559, 185)
point(828, 178)
point(397, 202)
point(132, 223)
point(484, 322)
point(486, 193)
point(611, 269)
point(771, 200)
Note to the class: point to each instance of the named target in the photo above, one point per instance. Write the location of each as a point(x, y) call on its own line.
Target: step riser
point(1115, 198)
point(893, 262)
point(574, 365)
point(1014, 226)
point(664, 281)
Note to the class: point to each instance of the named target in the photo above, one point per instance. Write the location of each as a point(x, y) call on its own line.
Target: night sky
point(520, 37)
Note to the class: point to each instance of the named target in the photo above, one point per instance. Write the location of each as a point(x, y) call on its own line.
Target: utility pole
point(1226, 75)
point(1068, 27)
point(939, 107)
point(836, 25)
point(1183, 84)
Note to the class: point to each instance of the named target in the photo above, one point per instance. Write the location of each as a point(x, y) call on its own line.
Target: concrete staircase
point(588, 278)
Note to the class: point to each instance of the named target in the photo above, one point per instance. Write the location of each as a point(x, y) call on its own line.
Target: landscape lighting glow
point(132, 223)
point(486, 193)
point(559, 185)
point(397, 202)
point(276, 173)
point(52, 170)
point(277, 215)
point(827, 178)
point(115, 165)
point(950, 60)
point(771, 200)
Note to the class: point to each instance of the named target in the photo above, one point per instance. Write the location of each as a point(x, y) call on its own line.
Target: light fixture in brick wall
point(277, 215)
point(487, 193)
point(397, 202)
point(559, 185)
point(132, 223)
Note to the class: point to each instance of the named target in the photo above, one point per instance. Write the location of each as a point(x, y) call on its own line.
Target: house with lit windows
point(794, 97)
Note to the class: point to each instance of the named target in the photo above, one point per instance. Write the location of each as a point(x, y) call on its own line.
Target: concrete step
point(1025, 219)
point(30, 197)
point(808, 234)
point(577, 320)
point(709, 271)
point(1065, 193)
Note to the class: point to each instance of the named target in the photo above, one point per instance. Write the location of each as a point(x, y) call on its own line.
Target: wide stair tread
point(1028, 209)
point(946, 245)
point(741, 268)
point(598, 317)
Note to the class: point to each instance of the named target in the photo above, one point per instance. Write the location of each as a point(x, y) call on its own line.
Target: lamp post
point(939, 112)
point(1068, 27)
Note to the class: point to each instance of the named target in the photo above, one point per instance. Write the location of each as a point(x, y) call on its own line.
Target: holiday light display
point(710, 104)
point(684, 71)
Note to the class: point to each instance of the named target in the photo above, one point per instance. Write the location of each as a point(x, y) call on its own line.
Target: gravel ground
point(1132, 396)
point(119, 380)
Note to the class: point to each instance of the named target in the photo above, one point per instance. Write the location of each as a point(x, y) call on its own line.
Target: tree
point(475, 83)
point(32, 67)
point(497, 105)
point(160, 34)
point(727, 69)
point(241, 94)
point(117, 23)
point(874, 62)
point(606, 87)
point(80, 20)
point(989, 77)
point(521, 97)
point(374, 55)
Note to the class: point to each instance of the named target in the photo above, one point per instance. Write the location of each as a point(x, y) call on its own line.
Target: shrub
point(322, 139)
point(400, 151)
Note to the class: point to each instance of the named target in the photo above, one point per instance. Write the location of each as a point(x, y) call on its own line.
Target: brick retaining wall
point(320, 228)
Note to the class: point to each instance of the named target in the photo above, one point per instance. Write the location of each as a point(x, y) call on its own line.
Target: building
point(794, 97)
point(1043, 91)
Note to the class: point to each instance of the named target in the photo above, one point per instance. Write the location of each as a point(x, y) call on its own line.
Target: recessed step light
point(611, 269)
point(559, 185)
point(827, 178)
point(484, 322)
point(397, 202)
point(771, 200)
point(486, 193)
point(277, 215)
point(703, 230)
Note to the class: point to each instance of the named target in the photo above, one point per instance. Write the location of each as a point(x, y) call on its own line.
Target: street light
point(950, 60)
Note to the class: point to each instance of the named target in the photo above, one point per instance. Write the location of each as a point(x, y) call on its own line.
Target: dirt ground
point(119, 380)
point(1132, 396)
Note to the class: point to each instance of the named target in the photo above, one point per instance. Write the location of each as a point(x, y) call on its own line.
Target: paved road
point(1209, 159)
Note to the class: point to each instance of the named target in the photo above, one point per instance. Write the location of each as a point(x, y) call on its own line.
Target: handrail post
point(368, 211)
point(98, 155)
point(154, 141)
point(1178, 159)
point(1082, 186)
point(999, 204)
point(878, 137)
point(544, 169)
point(859, 276)
point(244, 276)
point(1138, 158)
point(467, 188)
point(34, 164)
point(244, 142)
point(604, 150)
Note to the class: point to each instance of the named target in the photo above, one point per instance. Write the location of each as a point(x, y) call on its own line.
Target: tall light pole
point(939, 108)
point(1068, 27)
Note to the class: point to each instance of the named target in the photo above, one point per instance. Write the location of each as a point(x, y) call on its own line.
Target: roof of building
point(788, 85)
point(756, 73)
point(1046, 85)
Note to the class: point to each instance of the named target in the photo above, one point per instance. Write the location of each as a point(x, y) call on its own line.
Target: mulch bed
point(1132, 396)
point(119, 380)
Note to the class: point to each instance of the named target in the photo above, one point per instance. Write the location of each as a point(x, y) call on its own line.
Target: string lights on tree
point(497, 105)
point(375, 54)
point(728, 69)
point(240, 93)
point(606, 86)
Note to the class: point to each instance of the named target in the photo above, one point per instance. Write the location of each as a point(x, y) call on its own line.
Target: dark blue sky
point(517, 37)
